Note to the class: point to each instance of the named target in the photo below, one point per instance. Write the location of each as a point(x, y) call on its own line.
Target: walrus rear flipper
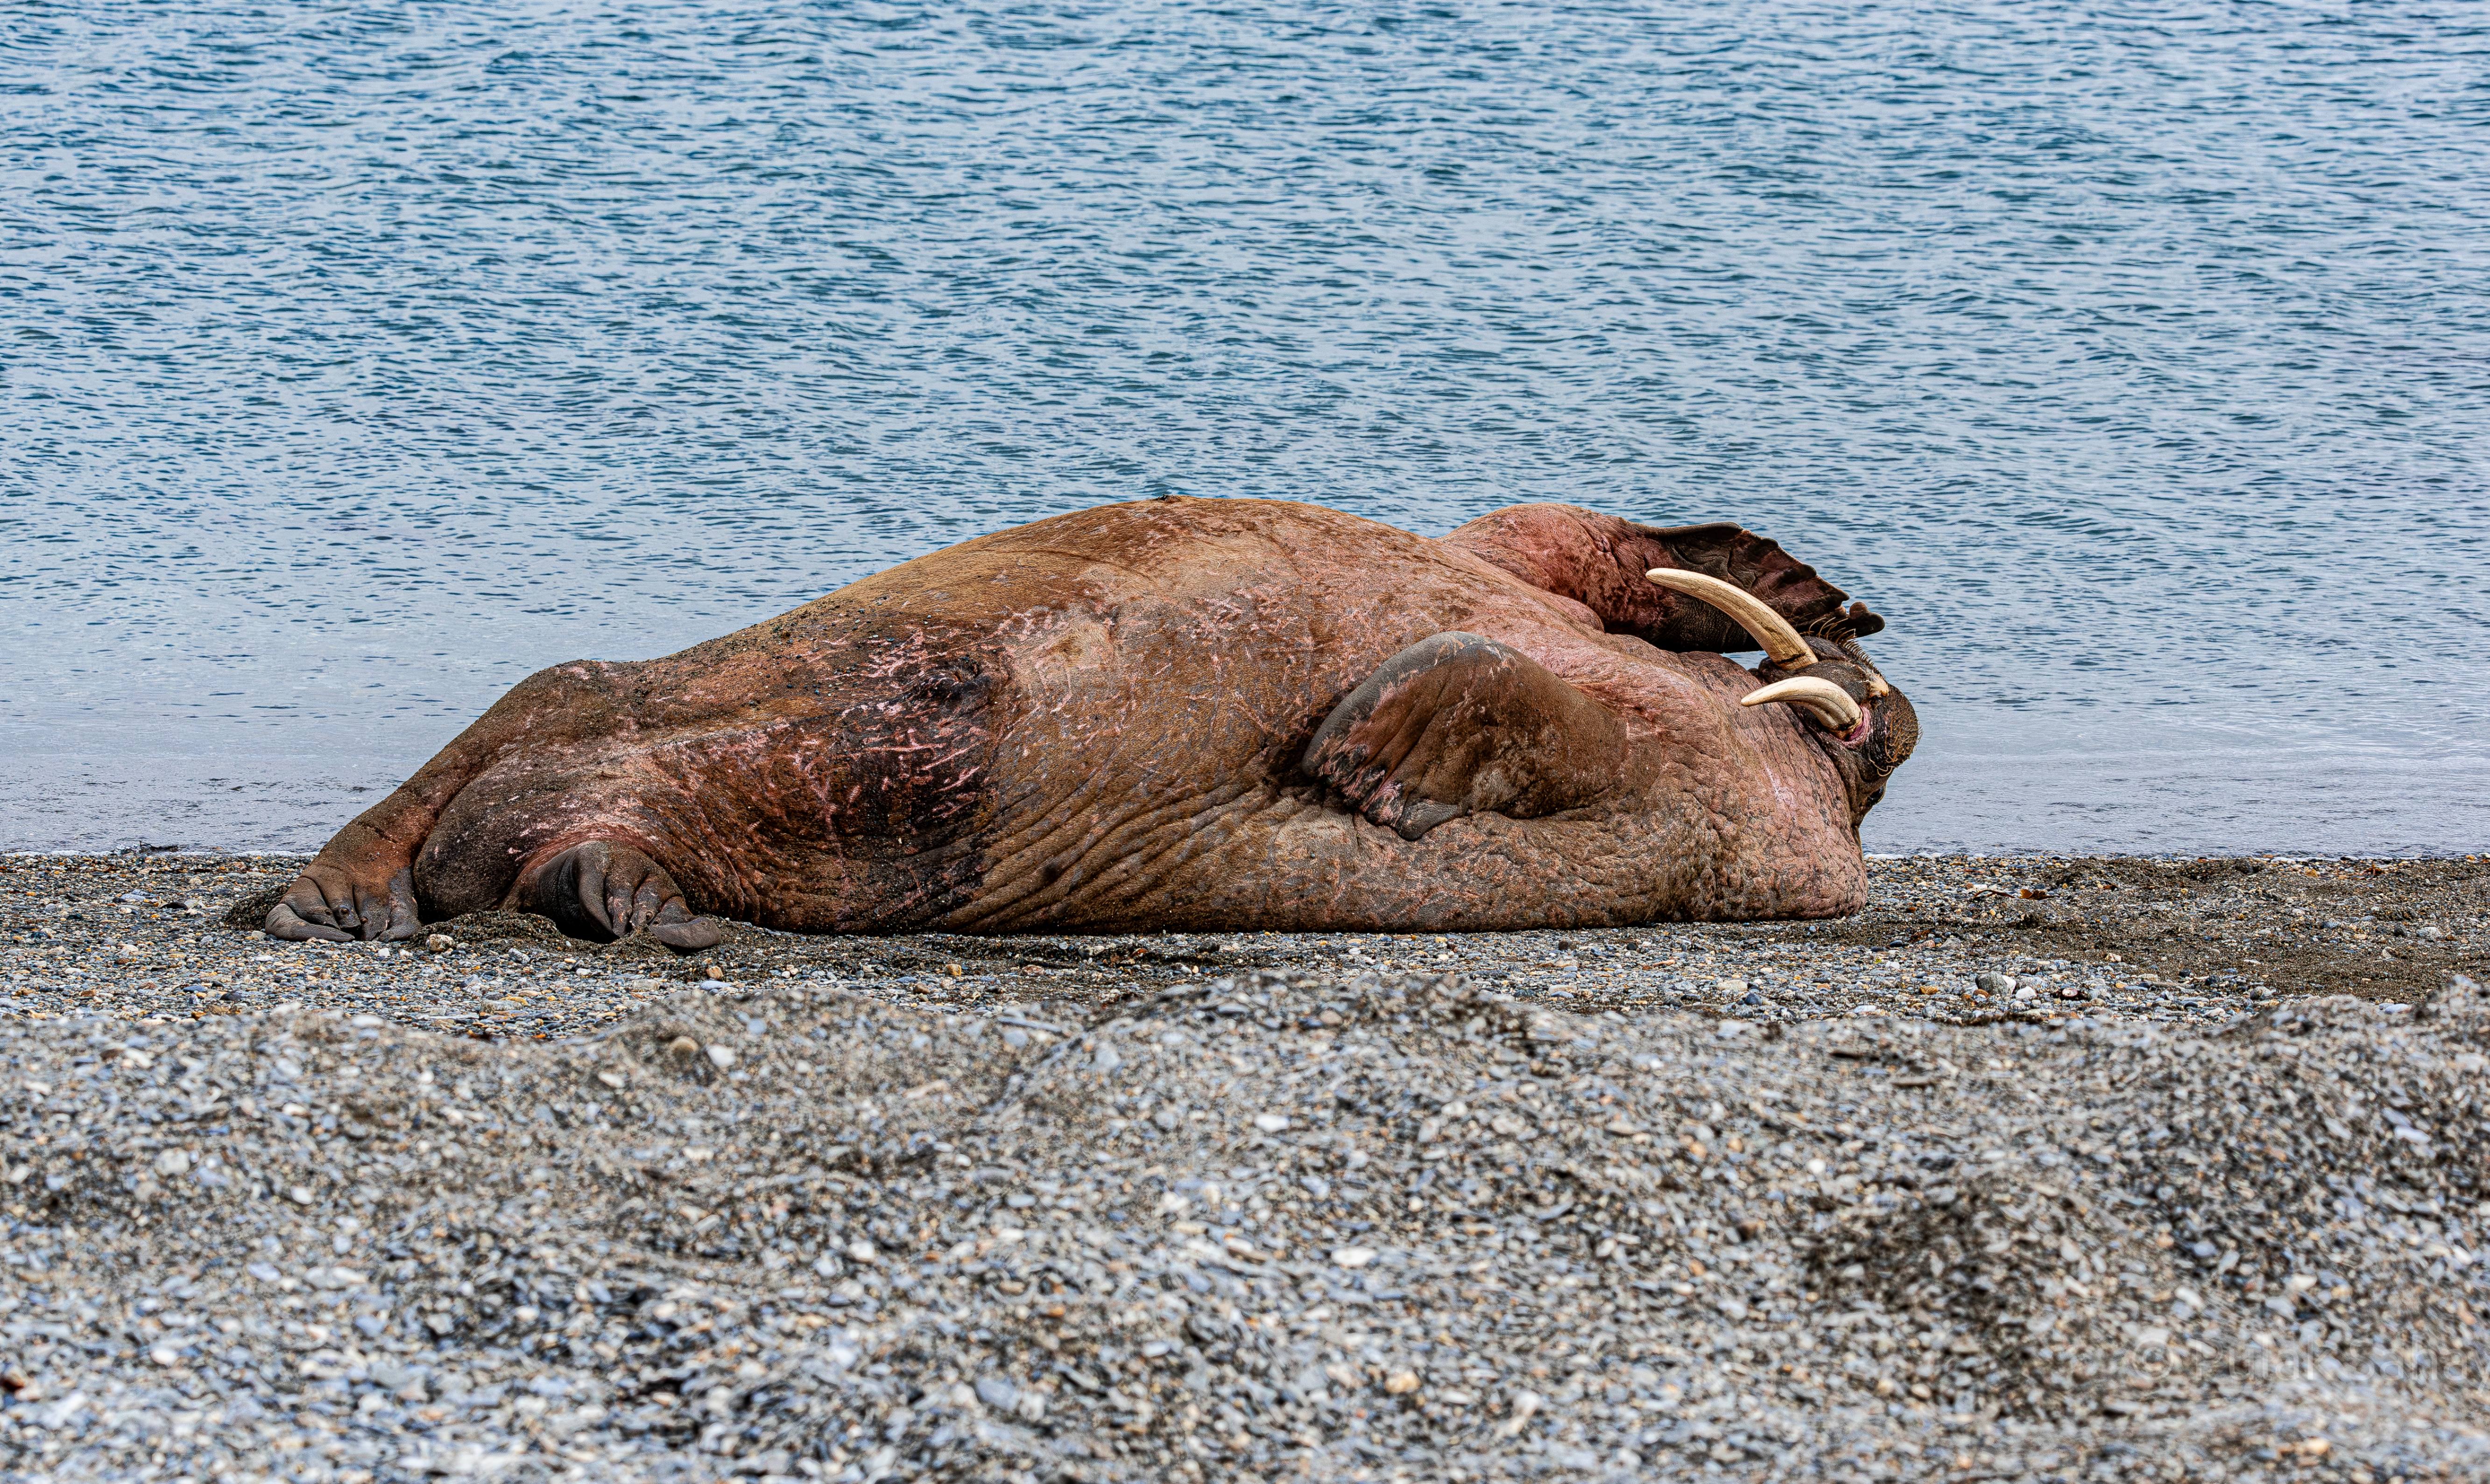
point(600, 890)
point(1457, 725)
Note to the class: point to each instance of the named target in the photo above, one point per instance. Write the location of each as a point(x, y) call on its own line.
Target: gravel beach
point(2042, 1168)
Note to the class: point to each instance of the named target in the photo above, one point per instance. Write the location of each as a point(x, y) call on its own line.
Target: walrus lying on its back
point(1180, 714)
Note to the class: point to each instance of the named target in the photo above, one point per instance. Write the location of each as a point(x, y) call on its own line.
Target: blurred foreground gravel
point(1934, 1192)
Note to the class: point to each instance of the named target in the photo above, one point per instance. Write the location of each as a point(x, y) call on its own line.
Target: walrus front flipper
point(601, 891)
point(1599, 562)
point(1459, 725)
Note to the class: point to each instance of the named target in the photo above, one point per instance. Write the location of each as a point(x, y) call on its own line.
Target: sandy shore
point(2042, 1167)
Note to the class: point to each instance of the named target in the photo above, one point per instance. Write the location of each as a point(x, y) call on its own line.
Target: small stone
point(1729, 987)
point(997, 1199)
point(441, 943)
point(367, 1022)
point(862, 1251)
point(723, 1056)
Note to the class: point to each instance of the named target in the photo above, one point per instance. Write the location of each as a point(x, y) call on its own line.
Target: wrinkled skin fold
point(1175, 714)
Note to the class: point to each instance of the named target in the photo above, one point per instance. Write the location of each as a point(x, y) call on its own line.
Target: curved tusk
point(1823, 699)
point(1768, 628)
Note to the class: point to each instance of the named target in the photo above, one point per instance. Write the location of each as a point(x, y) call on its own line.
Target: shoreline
point(1607, 1204)
point(2189, 939)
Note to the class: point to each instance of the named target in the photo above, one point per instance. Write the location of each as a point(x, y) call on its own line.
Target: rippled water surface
point(356, 361)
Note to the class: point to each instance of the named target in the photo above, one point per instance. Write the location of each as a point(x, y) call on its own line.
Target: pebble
point(1535, 1208)
point(2195, 941)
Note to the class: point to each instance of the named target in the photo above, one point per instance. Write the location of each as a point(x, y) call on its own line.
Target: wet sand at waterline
point(2041, 1165)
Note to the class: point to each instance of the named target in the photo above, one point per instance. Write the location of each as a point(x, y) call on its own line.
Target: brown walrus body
point(1176, 713)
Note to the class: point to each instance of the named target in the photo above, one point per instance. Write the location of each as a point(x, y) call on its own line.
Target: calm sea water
point(356, 360)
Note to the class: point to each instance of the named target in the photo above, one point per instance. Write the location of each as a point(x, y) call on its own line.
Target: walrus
point(1180, 714)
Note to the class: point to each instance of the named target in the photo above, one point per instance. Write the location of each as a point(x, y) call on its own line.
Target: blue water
point(356, 360)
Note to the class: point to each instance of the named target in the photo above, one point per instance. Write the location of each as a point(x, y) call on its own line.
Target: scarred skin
point(1175, 713)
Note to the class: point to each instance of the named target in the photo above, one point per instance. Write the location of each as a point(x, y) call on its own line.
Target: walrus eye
point(1822, 699)
point(1750, 614)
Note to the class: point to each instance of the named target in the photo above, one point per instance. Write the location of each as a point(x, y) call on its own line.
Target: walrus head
point(1866, 725)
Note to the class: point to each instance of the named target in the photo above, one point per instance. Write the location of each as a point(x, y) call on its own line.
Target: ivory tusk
point(1823, 699)
point(1768, 628)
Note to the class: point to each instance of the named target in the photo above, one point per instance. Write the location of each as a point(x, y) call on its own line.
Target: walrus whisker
point(1749, 613)
point(1822, 699)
